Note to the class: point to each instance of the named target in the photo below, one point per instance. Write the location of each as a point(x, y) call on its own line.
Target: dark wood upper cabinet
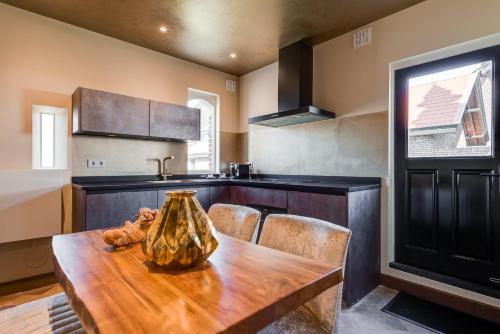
point(173, 121)
point(109, 114)
point(97, 112)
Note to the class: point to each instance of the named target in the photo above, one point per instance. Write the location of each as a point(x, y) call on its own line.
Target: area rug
point(437, 318)
point(48, 315)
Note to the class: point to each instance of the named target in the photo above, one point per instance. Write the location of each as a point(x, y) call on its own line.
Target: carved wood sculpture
point(131, 232)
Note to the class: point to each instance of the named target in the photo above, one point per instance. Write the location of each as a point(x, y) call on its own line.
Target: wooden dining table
point(240, 289)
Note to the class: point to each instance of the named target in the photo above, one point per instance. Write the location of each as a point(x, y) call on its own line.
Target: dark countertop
point(316, 184)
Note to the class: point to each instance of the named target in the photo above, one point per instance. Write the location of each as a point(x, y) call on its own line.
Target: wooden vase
point(181, 234)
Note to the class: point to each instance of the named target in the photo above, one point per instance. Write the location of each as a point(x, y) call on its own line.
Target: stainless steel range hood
point(294, 90)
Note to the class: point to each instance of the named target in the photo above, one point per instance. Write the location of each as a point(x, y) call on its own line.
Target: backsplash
point(353, 146)
point(124, 156)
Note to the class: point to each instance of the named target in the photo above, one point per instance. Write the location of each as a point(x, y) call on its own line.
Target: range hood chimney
point(295, 83)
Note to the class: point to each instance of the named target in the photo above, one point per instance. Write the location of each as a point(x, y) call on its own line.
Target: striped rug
point(51, 315)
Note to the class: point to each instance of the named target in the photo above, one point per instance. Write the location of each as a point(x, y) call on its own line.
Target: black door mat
point(437, 318)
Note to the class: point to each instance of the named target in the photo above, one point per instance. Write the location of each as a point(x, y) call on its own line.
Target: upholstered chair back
point(315, 239)
point(234, 220)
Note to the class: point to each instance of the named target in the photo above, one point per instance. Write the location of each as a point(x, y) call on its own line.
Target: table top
point(241, 288)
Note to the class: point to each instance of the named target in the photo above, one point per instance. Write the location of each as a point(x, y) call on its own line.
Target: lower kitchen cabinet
point(360, 212)
point(202, 195)
point(331, 208)
point(267, 197)
point(110, 209)
point(220, 194)
point(238, 195)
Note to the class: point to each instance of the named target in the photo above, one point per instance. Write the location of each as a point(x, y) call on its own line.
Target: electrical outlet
point(95, 163)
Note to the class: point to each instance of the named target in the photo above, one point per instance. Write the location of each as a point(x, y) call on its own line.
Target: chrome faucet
point(165, 174)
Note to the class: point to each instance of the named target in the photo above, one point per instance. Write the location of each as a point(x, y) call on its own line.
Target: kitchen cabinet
point(97, 112)
point(360, 212)
point(267, 197)
point(220, 194)
point(327, 207)
point(108, 114)
point(172, 121)
point(202, 195)
point(357, 210)
point(110, 209)
point(238, 195)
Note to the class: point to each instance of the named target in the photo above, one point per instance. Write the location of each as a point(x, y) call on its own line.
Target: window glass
point(449, 112)
point(47, 140)
point(202, 154)
point(49, 137)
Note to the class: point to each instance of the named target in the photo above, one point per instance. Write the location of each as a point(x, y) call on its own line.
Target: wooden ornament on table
point(181, 234)
point(131, 232)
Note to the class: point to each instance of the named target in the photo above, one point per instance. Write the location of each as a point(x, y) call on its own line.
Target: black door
point(446, 165)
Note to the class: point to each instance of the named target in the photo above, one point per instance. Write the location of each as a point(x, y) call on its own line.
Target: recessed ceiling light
point(233, 55)
point(163, 29)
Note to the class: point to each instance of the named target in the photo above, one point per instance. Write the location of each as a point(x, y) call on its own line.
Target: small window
point(203, 154)
point(50, 138)
point(47, 140)
point(450, 112)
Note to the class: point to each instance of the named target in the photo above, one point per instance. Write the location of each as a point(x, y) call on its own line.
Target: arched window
point(202, 154)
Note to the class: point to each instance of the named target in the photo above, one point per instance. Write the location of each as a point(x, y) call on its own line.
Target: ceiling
point(208, 31)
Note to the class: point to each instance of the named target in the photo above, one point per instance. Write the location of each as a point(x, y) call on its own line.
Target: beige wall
point(42, 61)
point(351, 82)
point(258, 93)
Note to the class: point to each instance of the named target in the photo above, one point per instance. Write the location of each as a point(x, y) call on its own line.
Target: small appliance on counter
point(232, 170)
point(244, 170)
point(240, 170)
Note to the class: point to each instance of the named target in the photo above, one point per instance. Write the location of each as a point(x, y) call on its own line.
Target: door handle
point(489, 175)
point(494, 280)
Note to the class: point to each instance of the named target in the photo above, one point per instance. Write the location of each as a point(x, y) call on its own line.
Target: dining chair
point(234, 220)
point(315, 239)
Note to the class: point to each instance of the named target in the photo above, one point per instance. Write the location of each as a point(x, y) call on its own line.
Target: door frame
point(390, 243)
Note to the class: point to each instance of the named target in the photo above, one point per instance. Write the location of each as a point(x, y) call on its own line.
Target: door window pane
point(449, 112)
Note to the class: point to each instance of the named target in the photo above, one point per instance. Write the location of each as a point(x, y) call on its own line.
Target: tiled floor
point(366, 316)
point(29, 295)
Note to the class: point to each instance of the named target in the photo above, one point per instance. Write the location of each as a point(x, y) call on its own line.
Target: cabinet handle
point(489, 175)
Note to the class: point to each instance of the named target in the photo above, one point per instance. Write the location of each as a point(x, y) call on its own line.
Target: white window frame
point(60, 128)
point(215, 97)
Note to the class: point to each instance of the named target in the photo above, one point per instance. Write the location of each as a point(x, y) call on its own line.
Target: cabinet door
point(331, 208)
point(238, 195)
point(202, 194)
point(109, 113)
point(267, 197)
point(220, 194)
point(173, 121)
point(103, 210)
